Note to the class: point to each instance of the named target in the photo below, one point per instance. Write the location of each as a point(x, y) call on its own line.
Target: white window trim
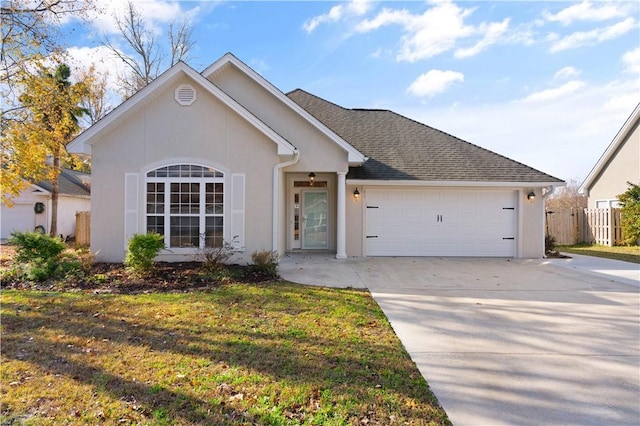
point(167, 181)
point(610, 203)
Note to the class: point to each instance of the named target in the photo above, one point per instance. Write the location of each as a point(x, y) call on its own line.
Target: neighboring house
point(619, 164)
point(223, 155)
point(32, 208)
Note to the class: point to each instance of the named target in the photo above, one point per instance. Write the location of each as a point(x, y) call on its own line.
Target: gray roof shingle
point(403, 149)
point(70, 183)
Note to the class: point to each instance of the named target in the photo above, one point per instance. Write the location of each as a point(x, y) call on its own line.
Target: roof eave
point(620, 137)
point(455, 183)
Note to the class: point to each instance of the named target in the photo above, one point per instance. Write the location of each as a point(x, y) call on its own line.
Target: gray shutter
point(130, 206)
point(237, 211)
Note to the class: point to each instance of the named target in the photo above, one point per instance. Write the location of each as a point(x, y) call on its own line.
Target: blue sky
point(545, 83)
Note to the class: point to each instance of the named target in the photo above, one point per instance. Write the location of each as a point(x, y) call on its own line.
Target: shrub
point(549, 244)
point(214, 259)
point(34, 246)
point(141, 251)
point(37, 255)
point(266, 262)
point(630, 221)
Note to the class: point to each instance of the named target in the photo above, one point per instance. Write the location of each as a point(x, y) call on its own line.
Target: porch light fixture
point(312, 178)
point(531, 195)
point(356, 194)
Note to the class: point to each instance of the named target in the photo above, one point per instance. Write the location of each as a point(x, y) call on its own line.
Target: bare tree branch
point(145, 60)
point(180, 38)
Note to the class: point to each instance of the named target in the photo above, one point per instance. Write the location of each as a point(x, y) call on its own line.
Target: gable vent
point(185, 94)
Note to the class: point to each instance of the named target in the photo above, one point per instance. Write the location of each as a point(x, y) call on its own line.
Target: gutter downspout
point(276, 196)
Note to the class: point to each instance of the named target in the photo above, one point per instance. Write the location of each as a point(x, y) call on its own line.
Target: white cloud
point(101, 58)
point(493, 32)
point(428, 34)
point(586, 11)
point(598, 35)
point(562, 136)
point(566, 72)
point(631, 59)
point(434, 82)
point(439, 29)
point(555, 93)
point(104, 62)
point(337, 13)
point(154, 12)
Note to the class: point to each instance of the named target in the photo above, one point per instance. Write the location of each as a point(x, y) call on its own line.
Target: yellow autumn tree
point(33, 143)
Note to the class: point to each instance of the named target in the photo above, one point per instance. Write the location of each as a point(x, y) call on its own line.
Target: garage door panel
point(20, 217)
point(426, 222)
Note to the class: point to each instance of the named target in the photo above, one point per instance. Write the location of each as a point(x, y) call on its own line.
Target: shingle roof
point(403, 149)
point(71, 183)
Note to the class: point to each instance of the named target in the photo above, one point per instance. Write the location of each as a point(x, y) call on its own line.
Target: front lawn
point(624, 253)
point(254, 354)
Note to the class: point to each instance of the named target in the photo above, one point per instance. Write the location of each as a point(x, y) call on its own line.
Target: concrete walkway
point(531, 342)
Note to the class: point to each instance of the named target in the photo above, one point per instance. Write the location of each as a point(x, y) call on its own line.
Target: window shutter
point(130, 206)
point(237, 211)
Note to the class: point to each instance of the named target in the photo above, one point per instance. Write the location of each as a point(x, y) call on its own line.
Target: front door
point(314, 214)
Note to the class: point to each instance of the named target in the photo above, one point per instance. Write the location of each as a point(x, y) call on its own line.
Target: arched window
point(185, 203)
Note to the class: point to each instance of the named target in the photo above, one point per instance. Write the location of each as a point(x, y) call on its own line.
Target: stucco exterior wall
point(623, 167)
point(530, 225)
point(318, 153)
point(161, 133)
point(67, 209)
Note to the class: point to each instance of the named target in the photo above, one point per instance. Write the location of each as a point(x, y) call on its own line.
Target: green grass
point(624, 253)
point(277, 354)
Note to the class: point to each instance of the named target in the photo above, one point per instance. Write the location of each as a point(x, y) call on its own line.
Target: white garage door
point(424, 222)
point(20, 217)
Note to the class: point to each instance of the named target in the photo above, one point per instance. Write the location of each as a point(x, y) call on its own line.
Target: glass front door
point(314, 219)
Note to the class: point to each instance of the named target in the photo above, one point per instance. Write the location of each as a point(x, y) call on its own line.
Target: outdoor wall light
point(356, 194)
point(531, 195)
point(312, 178)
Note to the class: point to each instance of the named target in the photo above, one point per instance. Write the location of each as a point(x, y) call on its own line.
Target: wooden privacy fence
point(572, 226)
point(83, 229)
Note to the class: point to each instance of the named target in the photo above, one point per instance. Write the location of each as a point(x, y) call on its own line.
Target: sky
point(548, 84)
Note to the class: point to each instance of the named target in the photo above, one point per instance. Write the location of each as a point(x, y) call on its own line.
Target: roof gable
point(621, 137)
point(354, 156)
point(403, 149)
point(87, 138)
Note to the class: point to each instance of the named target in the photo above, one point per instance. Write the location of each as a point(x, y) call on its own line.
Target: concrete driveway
point(507, 341)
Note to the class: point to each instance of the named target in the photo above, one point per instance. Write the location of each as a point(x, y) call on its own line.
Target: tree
point(630, 201)
point(48, 121)
point(146, 61)
point(30, 33)
point(567, 197)
point(95, 104)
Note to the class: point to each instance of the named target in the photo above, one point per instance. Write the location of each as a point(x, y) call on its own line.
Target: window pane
point(185, 231)
point(214, 231)
point(155, 224)
point(174, 171)
point(155, 198)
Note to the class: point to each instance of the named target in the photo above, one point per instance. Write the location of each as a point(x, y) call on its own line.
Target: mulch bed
point(164, 278)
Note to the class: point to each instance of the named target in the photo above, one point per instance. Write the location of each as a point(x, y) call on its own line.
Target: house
point(619, 164)
point(223, 155)
point(31, 209)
